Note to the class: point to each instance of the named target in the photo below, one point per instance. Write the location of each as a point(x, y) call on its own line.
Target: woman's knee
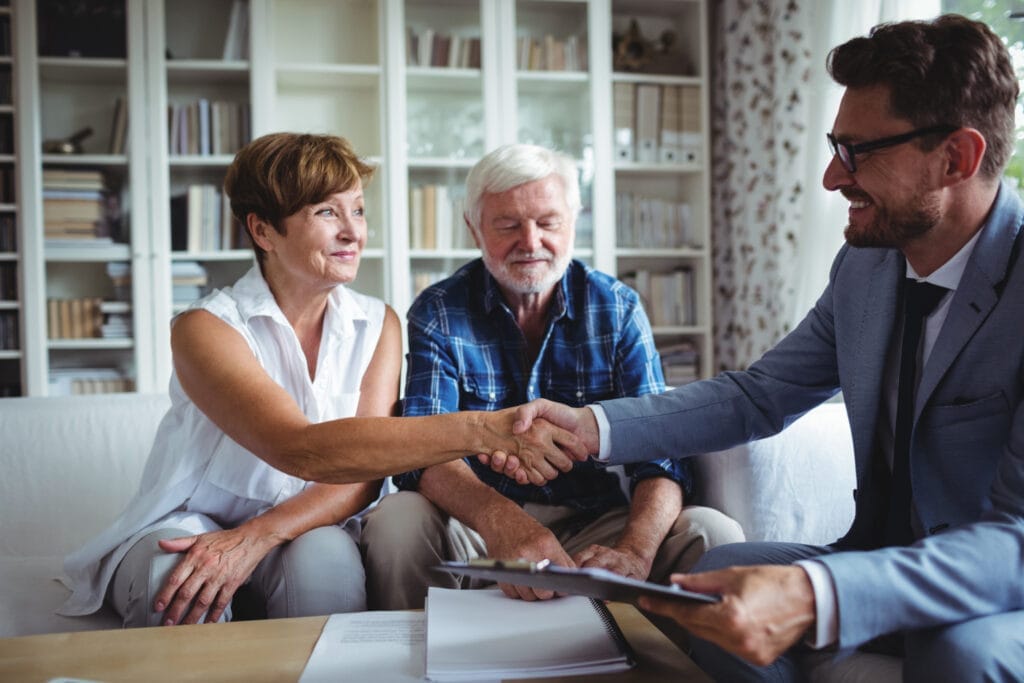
point(140, 575)
point(319, 572)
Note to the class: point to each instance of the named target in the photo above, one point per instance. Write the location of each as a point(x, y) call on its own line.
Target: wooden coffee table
point(271, 650)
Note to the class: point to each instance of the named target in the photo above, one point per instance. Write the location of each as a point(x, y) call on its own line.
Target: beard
point(536, 280)
point(895, 227)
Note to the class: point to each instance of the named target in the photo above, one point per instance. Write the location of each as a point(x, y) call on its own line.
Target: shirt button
point(492, 394)
point(579, 394)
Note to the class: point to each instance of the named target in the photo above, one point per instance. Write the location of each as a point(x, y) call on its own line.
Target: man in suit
point(932, 566)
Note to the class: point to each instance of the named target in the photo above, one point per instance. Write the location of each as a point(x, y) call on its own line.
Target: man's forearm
point(656, 505)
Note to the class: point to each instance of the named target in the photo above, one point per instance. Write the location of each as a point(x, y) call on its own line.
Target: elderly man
point(920, 327)
point(523, 322)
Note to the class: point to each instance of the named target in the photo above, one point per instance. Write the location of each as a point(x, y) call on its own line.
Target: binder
point(623, 118)
point(648, 109)
point(670, 144)
point(691, 138)
point(590, 582)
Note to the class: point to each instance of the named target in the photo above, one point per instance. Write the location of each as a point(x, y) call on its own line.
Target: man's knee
point(399, 525)
point(713, 526)
point(984, 649)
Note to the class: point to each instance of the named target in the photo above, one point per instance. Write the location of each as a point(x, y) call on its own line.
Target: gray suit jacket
point(967, 449)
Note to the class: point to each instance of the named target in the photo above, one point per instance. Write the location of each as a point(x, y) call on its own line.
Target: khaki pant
point(406, 534)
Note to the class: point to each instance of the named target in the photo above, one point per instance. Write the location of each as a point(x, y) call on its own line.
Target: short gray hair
point(513, 165)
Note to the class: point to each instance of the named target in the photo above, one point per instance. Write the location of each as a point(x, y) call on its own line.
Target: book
point(469, 632)
point(119, 127)
point(236, 41)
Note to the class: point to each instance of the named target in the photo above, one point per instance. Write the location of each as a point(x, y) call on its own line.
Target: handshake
point(533, 442)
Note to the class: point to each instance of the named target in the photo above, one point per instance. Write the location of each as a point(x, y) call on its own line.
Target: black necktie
point(920, 298)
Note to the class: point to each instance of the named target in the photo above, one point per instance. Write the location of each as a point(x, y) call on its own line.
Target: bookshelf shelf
point(83, 254)
point(89, 344)
point(222, 255)
point(206, 70)
point(93, 70)
point(198, 161)
point(111, 160)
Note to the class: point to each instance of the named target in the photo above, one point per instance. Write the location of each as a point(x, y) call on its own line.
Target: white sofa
point(69, 465)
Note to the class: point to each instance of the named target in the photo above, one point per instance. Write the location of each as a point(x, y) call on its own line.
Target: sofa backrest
point(68, 465)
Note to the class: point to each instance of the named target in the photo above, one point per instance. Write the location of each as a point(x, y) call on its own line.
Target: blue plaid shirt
point(466, 352)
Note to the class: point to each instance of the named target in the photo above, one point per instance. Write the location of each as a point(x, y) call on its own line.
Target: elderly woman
point(285, 378)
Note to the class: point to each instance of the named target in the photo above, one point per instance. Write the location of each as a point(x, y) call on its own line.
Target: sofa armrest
point(795, 486)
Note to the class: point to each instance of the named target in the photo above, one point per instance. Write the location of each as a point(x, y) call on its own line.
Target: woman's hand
point(212, 568)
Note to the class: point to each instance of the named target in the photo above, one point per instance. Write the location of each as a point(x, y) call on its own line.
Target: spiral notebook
point(475, 635)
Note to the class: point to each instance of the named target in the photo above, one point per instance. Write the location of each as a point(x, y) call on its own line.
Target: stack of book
point(117, 320)
point(668, 297)
point(120, 275)
point(76, 207)
point(188, 282)
point(680, 363)
point(74, 381)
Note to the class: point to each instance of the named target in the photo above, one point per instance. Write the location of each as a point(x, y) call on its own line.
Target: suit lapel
point(976, 295)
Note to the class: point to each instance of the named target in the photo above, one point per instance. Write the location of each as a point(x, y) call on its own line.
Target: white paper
point(383, 647)
point(482, 633)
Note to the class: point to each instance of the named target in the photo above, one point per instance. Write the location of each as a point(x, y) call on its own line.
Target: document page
point(383, 647)
point(482, 634)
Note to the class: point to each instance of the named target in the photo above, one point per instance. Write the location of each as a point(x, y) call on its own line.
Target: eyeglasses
point(848, 152)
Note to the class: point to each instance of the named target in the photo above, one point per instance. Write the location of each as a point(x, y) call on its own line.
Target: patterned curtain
point(761, 64)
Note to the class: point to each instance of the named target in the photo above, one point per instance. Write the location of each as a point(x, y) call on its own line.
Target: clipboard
point(591, 582)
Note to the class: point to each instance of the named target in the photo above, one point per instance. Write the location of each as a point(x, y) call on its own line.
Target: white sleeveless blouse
point(196, 472)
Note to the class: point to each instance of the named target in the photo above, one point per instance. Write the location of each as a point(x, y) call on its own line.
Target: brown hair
point(948, 71)
point(277, 174)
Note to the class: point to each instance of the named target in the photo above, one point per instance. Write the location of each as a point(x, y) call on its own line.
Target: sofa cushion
point(795, 486)
point(70, 464)
point(31, 593)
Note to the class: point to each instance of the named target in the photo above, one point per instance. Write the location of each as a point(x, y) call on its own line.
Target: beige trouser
point(406, 534)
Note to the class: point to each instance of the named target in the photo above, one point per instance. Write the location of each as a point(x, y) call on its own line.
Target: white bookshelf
point(340, 66)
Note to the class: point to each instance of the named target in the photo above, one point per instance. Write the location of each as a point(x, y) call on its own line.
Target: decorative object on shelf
point(633, 52)
point(69, 145)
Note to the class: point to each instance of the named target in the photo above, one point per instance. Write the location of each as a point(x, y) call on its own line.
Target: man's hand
point(576, 433)
point(622, 561)
point(764, 610)
point(539, 453)
point(532, 542)
point(214, 565)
